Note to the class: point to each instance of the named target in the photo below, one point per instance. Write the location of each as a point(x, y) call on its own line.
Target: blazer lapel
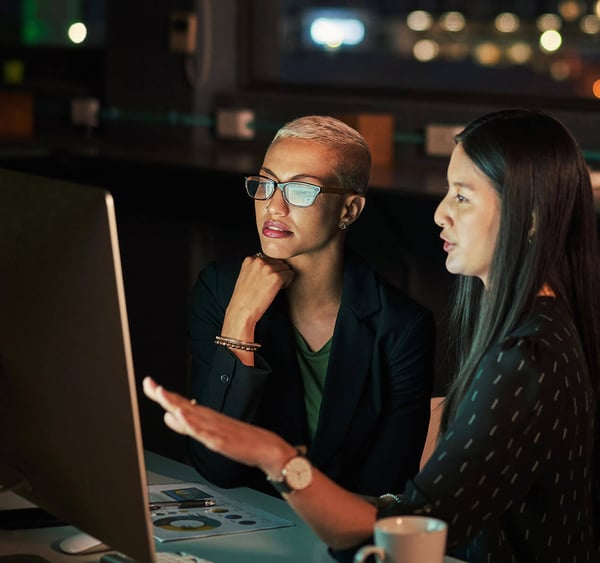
point(285, 389)
point(349, 361)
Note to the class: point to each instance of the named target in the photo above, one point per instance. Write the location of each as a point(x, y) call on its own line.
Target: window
point(545, 49)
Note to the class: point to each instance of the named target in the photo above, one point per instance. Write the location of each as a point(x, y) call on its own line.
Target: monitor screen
point(70, 438)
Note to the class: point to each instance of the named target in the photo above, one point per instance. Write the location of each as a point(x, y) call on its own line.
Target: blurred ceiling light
point(597, 8)
point(590, 24)
point(426, 50)
point(336, 32)
point(570, 10)
point(453, 21)
point(596, 88)
point(519, 53)
point(507, 22)
point(77, 32)
point(487, 54)
point(560, 70)
point(419, 20)
point(550, 40)
point(546, 22)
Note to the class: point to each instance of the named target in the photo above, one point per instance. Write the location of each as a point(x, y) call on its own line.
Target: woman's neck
point(314, 298)
point(318, 280)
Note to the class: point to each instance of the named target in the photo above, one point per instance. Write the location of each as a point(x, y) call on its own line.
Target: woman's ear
point(353, 206)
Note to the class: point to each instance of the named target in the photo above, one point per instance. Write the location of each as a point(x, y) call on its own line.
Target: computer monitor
point(70, 437)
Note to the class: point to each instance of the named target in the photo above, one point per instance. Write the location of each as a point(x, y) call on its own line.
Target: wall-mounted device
point(182, 32)
point(439, 139)
point(235, 124)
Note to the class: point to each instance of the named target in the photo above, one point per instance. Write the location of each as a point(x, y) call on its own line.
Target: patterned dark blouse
point(512, 476)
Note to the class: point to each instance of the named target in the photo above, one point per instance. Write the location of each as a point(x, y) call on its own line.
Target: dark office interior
point(170, 104)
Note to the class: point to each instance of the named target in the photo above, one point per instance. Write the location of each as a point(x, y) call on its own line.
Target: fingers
point(149, 386)
point(155, 392)
point(177, 422)
point(266, 264)
point(168, 400)
point(233, 438)
point(258, 283)
point(272, 272)
point(174, 404)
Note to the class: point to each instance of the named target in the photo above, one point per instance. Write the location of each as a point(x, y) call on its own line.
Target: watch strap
point(280, 485)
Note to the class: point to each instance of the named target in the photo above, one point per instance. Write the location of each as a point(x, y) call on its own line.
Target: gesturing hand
point(232, 438)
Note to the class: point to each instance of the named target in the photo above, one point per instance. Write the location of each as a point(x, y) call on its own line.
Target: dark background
point(178, 185)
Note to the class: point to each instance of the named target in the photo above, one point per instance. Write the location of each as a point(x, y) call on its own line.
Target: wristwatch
point(295, 476)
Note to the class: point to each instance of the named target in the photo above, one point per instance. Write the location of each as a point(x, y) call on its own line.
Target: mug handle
point(367, 550)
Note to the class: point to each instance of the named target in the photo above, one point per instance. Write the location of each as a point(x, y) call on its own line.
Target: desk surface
point(293, 544)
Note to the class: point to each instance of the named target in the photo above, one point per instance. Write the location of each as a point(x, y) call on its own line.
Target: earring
point(343, 225)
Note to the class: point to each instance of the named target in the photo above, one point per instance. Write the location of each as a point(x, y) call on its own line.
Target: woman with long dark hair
point(514, 473)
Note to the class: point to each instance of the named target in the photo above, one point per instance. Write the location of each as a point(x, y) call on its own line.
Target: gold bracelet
point(236, 344)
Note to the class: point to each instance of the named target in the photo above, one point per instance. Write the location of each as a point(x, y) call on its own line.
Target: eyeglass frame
point(282, 186)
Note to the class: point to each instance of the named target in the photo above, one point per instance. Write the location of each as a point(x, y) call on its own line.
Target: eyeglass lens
point(294, 193)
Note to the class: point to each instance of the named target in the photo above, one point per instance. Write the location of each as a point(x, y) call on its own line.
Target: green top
point(313, 368)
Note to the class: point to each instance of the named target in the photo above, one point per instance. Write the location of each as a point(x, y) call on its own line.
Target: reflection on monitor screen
point(70, 437)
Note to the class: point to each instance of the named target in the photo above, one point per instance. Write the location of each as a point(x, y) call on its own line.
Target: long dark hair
point(548, 234)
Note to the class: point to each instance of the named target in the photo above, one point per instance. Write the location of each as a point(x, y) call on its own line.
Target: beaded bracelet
point(236, 344)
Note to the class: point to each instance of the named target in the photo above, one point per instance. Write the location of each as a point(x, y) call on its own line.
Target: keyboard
point(160, 557)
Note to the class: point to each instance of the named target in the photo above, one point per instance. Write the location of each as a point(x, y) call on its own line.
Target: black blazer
point(375, 407)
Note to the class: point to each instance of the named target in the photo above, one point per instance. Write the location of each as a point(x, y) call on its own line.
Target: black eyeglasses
point(300, 194)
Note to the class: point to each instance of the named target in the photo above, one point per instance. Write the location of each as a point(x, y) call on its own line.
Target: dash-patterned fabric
point(512, 476)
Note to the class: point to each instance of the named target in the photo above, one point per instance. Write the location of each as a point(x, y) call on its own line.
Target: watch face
point(297, 473)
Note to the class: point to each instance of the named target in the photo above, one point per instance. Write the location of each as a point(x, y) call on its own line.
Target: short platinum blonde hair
point(353, 165)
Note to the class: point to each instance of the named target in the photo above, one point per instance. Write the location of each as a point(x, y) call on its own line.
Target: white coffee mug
point(407, 539)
